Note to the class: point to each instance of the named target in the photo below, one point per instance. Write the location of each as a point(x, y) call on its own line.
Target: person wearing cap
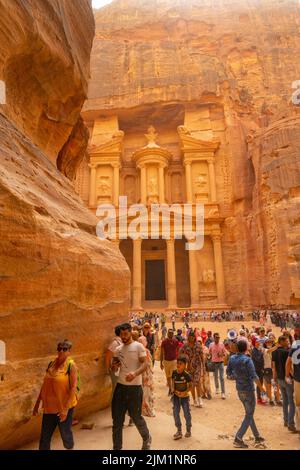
point(168, 356)
point(262, 335)
point(59, 398)
point(268, 348)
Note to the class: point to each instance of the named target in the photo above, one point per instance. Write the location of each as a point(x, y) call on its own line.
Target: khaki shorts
point(297, 393)
point(169, 367)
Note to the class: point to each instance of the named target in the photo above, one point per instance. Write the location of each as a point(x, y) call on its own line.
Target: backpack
point(70, 362)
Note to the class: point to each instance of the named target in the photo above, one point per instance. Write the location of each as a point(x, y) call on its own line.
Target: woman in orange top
point(58, 395)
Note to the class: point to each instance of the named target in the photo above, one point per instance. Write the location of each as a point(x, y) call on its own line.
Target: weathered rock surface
point(44, 60)
point(152, 61)
point(57, 279)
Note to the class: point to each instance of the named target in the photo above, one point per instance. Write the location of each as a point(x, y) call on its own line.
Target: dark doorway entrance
point(155, 280)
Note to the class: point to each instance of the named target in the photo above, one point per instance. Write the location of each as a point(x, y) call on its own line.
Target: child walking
point(181, 386)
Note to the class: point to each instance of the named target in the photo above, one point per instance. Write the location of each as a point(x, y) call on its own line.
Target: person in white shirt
point(130, 360)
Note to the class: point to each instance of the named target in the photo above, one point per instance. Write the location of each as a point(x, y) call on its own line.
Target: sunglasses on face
point(59, 349)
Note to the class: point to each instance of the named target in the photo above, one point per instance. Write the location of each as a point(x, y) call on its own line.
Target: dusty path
point(213, 426)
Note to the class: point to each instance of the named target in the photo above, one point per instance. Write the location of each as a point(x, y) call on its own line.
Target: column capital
point(137, 241)
point(93, 166)
point(141, 166)
point(216, 237)
point(115, 165)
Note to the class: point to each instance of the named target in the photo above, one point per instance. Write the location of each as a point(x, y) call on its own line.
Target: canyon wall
point(57, 279)
point(225, 71)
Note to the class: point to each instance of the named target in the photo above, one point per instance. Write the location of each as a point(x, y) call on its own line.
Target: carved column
point(188, 179)
point(93, 175)
point(216, 238)
point(161, 174)
point(172, 297)
point(143, 184)
point(212, 181)
point(137, 275)
point(194, 279)
point(116, 184)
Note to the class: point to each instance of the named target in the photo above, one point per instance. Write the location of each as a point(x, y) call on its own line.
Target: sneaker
point(259, 440)
point(260, 402)
point(223, 396)
point(240, 444)
point(188, 434)
point(177, 436)
point(272, 403)
point(292, 429)
point(200, 403)
point(209, 397)
point(147, 443)
point(195, 403)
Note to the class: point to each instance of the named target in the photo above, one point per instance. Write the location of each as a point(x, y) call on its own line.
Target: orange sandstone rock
point(57, 279)
point(225, 71)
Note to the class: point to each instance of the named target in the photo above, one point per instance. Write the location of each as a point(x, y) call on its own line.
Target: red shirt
point(170, 347)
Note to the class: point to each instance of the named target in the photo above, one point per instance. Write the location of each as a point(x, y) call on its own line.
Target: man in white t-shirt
point(130, 360)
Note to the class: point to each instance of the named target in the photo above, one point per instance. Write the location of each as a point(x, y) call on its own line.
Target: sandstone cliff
point(152, 61)
point(57, 279)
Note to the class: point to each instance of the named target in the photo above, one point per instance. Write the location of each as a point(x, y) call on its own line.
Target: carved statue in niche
point(208, 286)
point(152, 191)
point(201, 189)
point(208, 276)
point(103, 187)
point(151, 137)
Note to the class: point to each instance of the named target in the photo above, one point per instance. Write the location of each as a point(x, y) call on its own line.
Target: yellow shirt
point(56, 389)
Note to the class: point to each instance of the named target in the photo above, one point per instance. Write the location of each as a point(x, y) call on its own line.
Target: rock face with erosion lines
point(57, 279)
point(215, 71)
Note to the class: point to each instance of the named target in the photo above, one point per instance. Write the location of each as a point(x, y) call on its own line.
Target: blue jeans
point(248, 400)
point(49, 424)
point(288, 404)
point(219, 372)
point(183, 403)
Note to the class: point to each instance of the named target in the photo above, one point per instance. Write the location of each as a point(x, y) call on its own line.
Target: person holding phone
point(130, 360)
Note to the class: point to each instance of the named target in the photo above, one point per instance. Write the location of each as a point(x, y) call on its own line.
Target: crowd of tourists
point(265, 368)
point(187, 316)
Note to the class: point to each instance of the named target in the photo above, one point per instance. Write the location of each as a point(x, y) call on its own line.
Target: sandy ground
point(213, 426)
